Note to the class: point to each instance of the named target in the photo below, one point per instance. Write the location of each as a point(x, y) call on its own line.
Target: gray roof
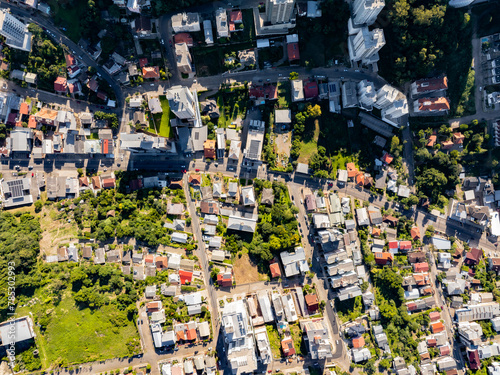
point(242, 224)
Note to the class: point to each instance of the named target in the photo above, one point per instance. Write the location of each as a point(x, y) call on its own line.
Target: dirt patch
point(245, 271)
point(55, 231)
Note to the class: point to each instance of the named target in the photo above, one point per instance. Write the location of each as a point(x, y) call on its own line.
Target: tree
point(314, 111)
point(293, 75)
point(432, 182)
point(38, 206)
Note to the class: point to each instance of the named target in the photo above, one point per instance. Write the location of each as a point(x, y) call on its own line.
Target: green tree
point(293, 75)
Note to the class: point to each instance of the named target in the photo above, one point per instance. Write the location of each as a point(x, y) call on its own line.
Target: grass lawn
point(76, 335)
point(274, 340)
point(297, 339)
point(309, 143)
point(69, 17)
point(165, 128)
point(284, 94)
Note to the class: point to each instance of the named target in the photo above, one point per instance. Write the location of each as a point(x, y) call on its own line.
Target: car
point(17, 167)
point(197, 170)
point(162, 41)
point(478, 230)
point(268, 80)
point(480, 88)
point(30, 167)
point(152, 85)
point(346, 70)
point(301, 201)
point(337, 342)
point(316, 364)
point(184, 171)
point(357, 70)
point(195, 80)
point(317, 259)
point(32, 175)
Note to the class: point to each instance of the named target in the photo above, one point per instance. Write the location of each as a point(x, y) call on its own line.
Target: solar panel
point(16, 188)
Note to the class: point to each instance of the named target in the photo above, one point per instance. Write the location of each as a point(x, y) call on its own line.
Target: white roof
point(192, 299)
point(218, 255)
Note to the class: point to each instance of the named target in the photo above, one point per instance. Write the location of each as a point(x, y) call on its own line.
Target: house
point(209, 149)
point(185, 276)
point(437, 327)
point(185, 22)
point(267, 197)
point(287, 346)
point(151, 72)
point(415, 233)
point(61, 85)
point(383, 258)
point(361, 355)
point(421, 267)
point(317, 339)
point(194, 179)
point(294, 263)
point(209, 207)
point(310, 202)
point(275, 270)
point(312, 302)
point(434, 106)
point(19, 332)
point(225, 279)
point(473, 257)
point(358, 342)
point(248, 196)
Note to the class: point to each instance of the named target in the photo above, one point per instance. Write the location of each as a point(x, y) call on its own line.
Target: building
point(239, 339)
point(297, 90)
point(367, 94)
point(294, 263)
point(16, 192)
point(279, 11)
point(263, 345)
point(186, 22)
point(428, 85)
point(481, 311)
point(253, 150)
point(365, 12)
point(209, 149)
point(222, 24)
point(349, 97)
point(15, 32)
point(18, 331)
point(207, 30)
point(184, 104)
point(317, 339)
point(431, 106)
point(470, 333)
point(183, 58)
point(363, 45)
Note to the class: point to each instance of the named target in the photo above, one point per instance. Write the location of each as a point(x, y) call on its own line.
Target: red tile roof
point(383, 258)
point(437, 327)
point(432, 141)
point(415, 233)
point(236, 16)
point(153, 306)
point(105, 146)
point(209, 148)
point(96, 182)
point(432, 84)
point(84, 181)
point(194, 179)
point(151, 72)
point(287, 347)
point(275, 270)
point(70, 60)
point(405, 245)
point(32, 122)
point(312, 302)
point(293, 51)
point(351, 170)
point(185, 276)
point(393, 245)
point(183, 38)
point(108, 183)
point(358, 342)
point(311, 89)
point(143, 62)
point(269, 92)
point(376, 232)
point(433, 104)
point(225, 279)
point(24, 109)
point(474, 361)
point(458, 138)
point(60, 84)
point(473, 256)
point(387, 158)
point(180, 336)
point(191, 334)
point(421, 267)
point(161, 263)
point(102, 95)
point(150, 258)
point(431, 342)
point(434, 316)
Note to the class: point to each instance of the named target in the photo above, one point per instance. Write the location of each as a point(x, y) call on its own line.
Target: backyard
point(233, 104)
point(284, 92)
point(274, 340)
point(161, 121)
point(309, 143)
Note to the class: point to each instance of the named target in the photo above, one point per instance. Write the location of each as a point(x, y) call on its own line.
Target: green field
point(274, 340)
point(309, 143)
point(69, 17)
point(161, 123)
point(284, 94)
point(76, 335)
point(232, 105)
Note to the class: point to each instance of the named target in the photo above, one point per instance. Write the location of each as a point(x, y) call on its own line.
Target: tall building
point(279, 11)
point(365, 12)
point(367, 94)
point(364, 45)
point(184, 104)
point(239, 338)
point(15, 32)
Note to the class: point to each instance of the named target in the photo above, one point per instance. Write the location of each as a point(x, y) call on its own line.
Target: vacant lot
point(165, 130)
point(56, 230)
point(309, 143)
point(232, 104)
point(284, 93)
point(487, 18)
point(245, 271)
point(76, 335)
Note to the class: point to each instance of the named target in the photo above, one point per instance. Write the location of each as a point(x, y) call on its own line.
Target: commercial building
point(15, 32)
point(363, 44)
point(186, 22)
point(279, 11)
point(366, 11)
